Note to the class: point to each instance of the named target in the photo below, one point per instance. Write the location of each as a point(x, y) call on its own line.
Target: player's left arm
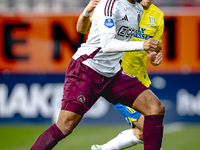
point(156, 57)
point(84, 21)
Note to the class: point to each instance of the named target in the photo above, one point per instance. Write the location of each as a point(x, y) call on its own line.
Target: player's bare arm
point(155, 57)
point(152, 45)
point(84, 21)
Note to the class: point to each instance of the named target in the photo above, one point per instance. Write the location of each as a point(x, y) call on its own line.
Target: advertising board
point(35, 50)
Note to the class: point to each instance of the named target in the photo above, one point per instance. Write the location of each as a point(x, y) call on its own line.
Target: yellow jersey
point(151, 26)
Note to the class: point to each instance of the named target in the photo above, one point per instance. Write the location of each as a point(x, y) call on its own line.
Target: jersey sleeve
point(159, 33)
point(107, 30)
point(106, 18)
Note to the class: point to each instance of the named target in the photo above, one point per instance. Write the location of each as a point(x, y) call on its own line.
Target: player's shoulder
point(108, 7)
point(109, 3)
point(156, 10)
point(139, 7)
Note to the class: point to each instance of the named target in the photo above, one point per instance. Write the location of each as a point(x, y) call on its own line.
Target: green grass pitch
point(21, 137)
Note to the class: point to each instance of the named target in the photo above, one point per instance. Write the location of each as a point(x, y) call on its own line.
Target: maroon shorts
point(83, 86)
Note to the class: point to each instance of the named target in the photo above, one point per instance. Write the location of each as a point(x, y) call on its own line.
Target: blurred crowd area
point(62, 5)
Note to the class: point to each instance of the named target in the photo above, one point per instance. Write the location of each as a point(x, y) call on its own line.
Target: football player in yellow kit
point(151, 26)
point(134, 64)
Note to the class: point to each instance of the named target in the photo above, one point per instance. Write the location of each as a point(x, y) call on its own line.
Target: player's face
point(146, 3)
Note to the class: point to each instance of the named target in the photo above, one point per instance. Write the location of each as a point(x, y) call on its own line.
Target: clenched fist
point(152, 45)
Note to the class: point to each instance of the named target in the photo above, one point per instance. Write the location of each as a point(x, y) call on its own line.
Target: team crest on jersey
point(152, 20)
point(109, 22)
point(81, 98)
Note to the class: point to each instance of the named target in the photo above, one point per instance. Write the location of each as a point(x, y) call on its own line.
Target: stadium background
point(37, 40)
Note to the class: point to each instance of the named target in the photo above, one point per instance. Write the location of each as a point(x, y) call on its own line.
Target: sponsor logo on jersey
point(141, 35)
point(109, 22)
point(125, 32)
point(152, 20)
point(125, 18)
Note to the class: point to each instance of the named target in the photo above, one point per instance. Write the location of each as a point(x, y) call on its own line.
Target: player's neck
point(145, 8)
point(146, 5)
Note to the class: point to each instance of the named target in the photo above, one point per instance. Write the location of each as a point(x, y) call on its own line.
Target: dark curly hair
point(138, 1)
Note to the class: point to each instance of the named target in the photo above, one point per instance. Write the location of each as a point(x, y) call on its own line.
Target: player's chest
point(127, 23)
point(148, 26)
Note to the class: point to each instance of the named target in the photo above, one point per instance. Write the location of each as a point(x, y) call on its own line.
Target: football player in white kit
point(132, 61)
point(95, 71)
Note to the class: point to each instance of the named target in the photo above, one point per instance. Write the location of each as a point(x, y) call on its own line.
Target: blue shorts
point(130, 114)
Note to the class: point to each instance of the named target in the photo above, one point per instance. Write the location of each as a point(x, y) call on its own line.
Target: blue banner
point(36, 98)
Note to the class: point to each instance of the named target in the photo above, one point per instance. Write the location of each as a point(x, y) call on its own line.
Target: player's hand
point(152, 45)
point(155, 58)
point(92, 4)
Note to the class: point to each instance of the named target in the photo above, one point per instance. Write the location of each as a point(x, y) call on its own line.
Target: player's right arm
point(107, 28)
point(84, 21)
point(109, 43)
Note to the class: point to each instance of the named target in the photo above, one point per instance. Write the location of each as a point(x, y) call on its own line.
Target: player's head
point(134, 1)
point(146, 3)
point(138, 1)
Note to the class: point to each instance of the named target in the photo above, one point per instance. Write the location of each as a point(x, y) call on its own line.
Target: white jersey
point(113, 25)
